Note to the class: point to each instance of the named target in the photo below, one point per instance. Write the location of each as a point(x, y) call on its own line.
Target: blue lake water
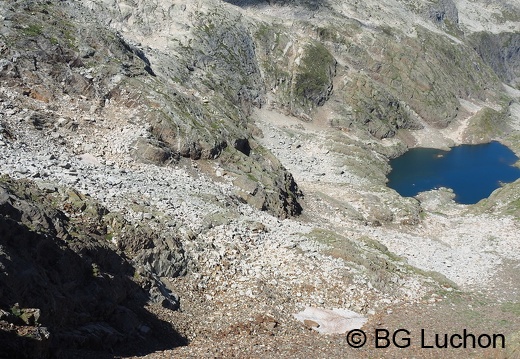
point(472, 171)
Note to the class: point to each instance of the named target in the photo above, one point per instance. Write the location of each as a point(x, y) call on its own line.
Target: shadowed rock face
point(311, 4)
point(443, 11)
point(501, 52)
point(63, 288)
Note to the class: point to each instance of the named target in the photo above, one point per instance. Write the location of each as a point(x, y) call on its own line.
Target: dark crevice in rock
point(443, 10)
point(242, 145)
point(138, 52)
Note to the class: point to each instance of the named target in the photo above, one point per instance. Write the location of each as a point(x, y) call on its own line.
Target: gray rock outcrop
point(501, 52)
point(63, 288)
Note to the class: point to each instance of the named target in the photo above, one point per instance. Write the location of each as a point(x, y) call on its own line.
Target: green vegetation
point(96, 272)
point(436, 276)
point(32, 30)
point(511, 307)
point(314, 74)
point(486, 125)
point(504, 201)
point(368, 253)
point(15, 310)
point(381, 265)
point(69, 37)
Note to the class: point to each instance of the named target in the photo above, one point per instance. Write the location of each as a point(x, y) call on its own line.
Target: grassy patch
point(379, 263)
point(486, 124)
point(32, 30)
point(436, 276)
point(511, 307)
point(314, 74)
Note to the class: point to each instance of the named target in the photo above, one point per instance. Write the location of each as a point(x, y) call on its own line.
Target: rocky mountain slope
point(205, 170)
point(63, 287)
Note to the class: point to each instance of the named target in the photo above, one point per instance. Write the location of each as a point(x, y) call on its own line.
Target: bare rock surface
point(65, 287)
point(331, 321)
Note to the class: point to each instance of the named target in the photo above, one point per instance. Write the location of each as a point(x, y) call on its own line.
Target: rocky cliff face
point(64, 286)
point(501, 52)
point(82, 58)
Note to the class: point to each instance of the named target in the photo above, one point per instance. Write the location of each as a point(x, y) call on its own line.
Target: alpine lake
point(471, 171)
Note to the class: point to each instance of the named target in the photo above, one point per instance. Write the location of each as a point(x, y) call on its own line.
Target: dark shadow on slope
point(501, 52)
point(310, 4)
point(242, 145)
point(82, 292)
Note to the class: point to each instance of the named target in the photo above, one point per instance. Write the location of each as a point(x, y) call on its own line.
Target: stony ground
point(475, 252)
point(251, 271)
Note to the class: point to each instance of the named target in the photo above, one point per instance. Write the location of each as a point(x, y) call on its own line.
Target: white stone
point(335, 321)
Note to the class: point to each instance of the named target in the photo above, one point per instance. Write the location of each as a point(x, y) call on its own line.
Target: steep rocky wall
point(501, 52)
point(63, 285)
point(428, 71)
point(383, 79)
point(298, 74)
point(443, 12)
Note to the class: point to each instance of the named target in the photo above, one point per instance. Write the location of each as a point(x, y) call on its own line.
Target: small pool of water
point(472, 171)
